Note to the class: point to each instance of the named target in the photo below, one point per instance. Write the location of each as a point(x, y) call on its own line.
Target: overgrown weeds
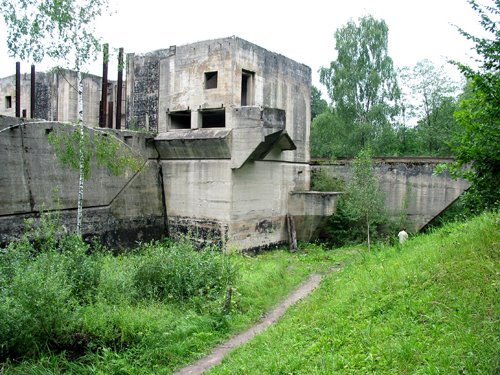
point(67, 306)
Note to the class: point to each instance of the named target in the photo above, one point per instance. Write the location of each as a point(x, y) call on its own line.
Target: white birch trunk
point(79, 215)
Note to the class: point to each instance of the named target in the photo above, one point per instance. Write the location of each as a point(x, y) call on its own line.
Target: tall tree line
point(394, 112)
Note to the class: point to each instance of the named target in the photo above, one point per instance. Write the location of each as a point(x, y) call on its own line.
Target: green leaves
point(479, 115)
point(362, 83)
point(58, 29)
point(106, 149)
point(364, 200)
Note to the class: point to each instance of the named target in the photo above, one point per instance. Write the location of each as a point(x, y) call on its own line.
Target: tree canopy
point(61, 30)
point(362, 82)
point(479, 114)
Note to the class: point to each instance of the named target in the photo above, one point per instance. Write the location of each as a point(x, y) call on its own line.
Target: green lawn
point(429, 308)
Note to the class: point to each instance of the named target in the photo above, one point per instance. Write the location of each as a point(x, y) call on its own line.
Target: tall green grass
point(428, 308)
point(66, 307)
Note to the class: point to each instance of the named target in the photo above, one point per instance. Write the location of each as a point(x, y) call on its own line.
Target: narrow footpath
point(222, 350)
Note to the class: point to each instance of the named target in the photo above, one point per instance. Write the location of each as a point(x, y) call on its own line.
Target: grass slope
point(429, 308)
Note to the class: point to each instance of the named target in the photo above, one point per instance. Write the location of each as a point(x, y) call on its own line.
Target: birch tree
point(362, 84)
point(364, 200)
point(61, 30)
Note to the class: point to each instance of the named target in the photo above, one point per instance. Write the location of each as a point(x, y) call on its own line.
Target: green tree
point(318, 104)
point(62, 30)
point(479, 115)
point(429, 97)
point(362, 84)
point(364, 201)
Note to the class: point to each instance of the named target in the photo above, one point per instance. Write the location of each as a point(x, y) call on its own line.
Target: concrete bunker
point(229, 161)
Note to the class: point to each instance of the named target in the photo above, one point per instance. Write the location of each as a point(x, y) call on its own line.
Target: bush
point(322, 181)
point(44, 278)
point(37, 306)
point(181, 273)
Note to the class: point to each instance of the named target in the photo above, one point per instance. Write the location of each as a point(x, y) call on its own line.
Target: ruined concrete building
point(233, 123)
point(56, 97)
point(229, 161)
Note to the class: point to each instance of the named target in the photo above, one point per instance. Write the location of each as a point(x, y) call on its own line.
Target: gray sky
point(302, 31)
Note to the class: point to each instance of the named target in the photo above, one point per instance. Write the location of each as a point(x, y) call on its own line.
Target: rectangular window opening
point(8, 102)
point(247, 87)
point(179, 120)
point(210, 80)
point(213, 118)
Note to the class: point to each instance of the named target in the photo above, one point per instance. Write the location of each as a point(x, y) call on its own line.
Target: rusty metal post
point(33, 92)
point(110, 115)
point(18, 89)
point(119, 90)
point(104, 93)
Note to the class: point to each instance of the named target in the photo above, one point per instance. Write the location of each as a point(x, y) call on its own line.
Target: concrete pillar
point(195, 120)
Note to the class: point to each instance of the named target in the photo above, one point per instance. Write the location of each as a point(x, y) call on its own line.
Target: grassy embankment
point(429, 308)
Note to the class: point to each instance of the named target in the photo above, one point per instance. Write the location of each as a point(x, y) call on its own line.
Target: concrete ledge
point(194, 144)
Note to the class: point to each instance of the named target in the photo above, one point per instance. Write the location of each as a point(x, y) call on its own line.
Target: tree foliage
point(364, 201)
point(479, 114)
point(430, 99)
point(58, 29)
point(362, 82)
point(318, 104)
point(106, 150)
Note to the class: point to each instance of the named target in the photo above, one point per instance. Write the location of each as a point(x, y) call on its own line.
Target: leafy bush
point(322, 181)
point(180, 272)
point(37, 305)
point(44, 278)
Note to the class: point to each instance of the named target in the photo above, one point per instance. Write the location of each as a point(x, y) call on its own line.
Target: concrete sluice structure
point(228, 162)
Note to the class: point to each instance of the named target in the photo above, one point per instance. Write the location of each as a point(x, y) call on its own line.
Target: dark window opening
point(211, 80)
point(247, 87)
point(213, 118)
point(179, 120)
point(8, 102)
point(24, 113)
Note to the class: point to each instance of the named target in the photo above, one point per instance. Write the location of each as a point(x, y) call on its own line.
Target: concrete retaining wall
point(120, 210)
point(410, 187)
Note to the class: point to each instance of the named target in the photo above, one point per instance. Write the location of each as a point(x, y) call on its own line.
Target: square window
point(179, 120)
point(210, 80)
point(213, 118)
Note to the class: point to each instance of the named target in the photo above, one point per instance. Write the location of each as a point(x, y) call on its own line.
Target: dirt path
point(222, 350)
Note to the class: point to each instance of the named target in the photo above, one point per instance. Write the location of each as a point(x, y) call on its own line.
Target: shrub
point(181, 273)
point(37, 306)
point(322, 181)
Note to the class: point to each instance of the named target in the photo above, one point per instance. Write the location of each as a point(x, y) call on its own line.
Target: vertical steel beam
point(33, 92)
point(119, 91)
point(104, 86)
point(18, 89)
point(110, 115)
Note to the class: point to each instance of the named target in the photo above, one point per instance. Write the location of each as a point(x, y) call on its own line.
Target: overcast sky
point(303, 31)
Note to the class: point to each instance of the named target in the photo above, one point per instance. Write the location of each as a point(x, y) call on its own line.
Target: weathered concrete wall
point(120, 210)
point(174, 80)
point(409, 185)
point(143, 75)
point(198, 198)
point(56, 96)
